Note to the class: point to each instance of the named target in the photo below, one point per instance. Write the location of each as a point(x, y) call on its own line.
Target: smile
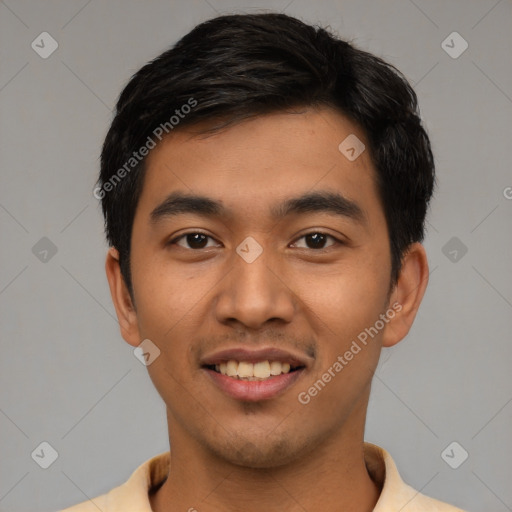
point(245, 370)
point(254, 375)
point(253, 382)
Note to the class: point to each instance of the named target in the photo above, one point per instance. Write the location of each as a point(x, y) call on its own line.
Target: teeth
point(245, 369)
point(276, 368)
point(262, 370)
point(232, 368)
point(249, 371)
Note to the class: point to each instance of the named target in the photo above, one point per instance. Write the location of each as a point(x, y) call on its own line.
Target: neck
point(330, 477)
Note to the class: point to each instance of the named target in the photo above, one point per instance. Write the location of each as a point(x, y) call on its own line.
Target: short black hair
point(235, 67)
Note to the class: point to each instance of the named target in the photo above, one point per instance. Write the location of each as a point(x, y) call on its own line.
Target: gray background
point(68, 378)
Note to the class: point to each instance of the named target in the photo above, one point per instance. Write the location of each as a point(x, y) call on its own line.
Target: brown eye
point(195, 240)
point(317, 240)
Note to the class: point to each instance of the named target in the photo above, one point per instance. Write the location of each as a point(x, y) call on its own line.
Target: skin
point(277, 454)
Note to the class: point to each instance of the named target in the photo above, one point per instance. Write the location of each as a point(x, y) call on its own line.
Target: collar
point(395, 493)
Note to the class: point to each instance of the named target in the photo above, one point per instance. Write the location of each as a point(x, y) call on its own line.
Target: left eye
point(317, 239)
point(198, 240)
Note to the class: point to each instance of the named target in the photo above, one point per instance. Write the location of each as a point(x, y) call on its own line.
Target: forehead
point(249, 165)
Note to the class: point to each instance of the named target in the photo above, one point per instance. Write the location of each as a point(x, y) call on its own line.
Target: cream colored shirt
point(395, 496)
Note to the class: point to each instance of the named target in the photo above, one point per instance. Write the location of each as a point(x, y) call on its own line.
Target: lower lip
point(254, 390)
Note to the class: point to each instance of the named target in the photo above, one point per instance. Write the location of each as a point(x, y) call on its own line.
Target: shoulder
point(418, 502)
point(132, 494)
point(421, 503)
point(395, 493)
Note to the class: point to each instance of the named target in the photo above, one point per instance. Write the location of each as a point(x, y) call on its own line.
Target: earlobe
point(408, 294)
point(126, 314)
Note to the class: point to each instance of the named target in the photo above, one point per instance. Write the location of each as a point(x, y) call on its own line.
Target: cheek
point(166, 294)
point(346, 300)
point(344, 307)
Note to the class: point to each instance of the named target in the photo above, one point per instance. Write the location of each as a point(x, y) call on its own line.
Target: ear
point(126, 314)
point(407, 294)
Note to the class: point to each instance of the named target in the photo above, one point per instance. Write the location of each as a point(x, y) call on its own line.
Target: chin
point(260, 453)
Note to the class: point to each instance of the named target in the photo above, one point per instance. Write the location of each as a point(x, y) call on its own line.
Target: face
point(250, 282)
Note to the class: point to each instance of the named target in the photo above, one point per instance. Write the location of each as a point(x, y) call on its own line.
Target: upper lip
point(254, 356)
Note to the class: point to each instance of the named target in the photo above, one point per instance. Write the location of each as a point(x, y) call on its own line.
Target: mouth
point(254, 376)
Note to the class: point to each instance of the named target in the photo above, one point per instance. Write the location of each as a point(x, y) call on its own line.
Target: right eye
point(195, 240)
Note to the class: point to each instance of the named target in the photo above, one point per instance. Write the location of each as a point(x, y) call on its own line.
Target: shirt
point(396, 495)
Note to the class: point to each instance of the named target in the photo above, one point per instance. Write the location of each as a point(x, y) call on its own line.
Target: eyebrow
point(334, 203)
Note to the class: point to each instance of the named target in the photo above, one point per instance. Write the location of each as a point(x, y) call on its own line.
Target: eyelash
point(337, 241)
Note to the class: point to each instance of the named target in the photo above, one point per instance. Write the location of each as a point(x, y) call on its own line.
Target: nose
point(255, 293)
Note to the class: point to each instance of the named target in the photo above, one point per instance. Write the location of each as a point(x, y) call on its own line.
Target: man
point(265, 186)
